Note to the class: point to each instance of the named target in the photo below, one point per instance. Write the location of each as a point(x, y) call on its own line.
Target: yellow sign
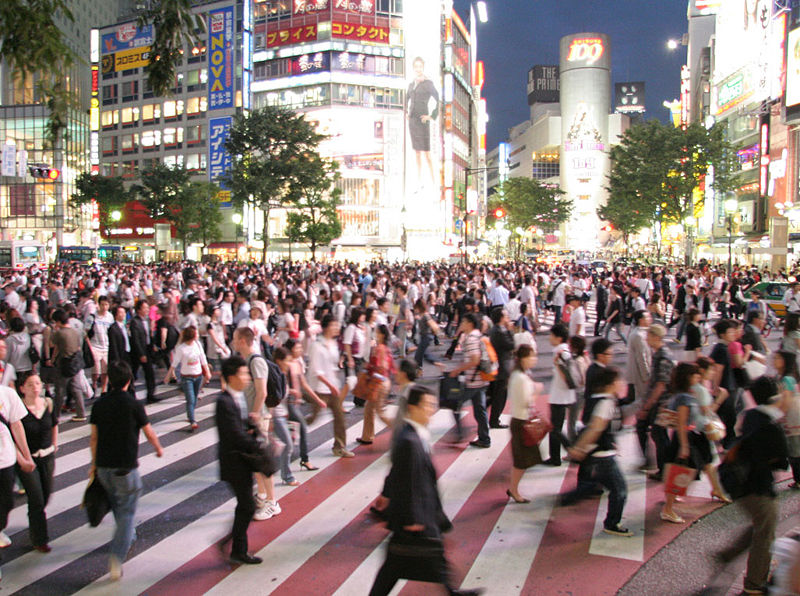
point(94, 113)
point(133, 58)
point(224, 196)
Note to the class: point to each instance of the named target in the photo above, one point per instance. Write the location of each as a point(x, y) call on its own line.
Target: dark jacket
point(602, 300)
point(591, 380)
point(414, 496)
point(116, 344)
point(233, 439)
point(503, 343)
point(138, 338)
point(763, 445)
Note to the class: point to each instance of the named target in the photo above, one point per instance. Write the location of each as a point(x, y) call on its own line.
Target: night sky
point(521, 33)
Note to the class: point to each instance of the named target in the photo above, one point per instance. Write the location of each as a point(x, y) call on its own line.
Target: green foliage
point(529, 203)
point(109, 192)
point(168, 193)
point(207, 214)
point(175, 28)
point(32, 44)
point(657, 167)
point(313, 218)
point(275, 160)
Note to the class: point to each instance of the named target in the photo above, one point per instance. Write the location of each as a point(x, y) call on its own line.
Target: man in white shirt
point(559, 297)
point(97, 330)
point(791, 299)
point(577, 319)
point(12, 437)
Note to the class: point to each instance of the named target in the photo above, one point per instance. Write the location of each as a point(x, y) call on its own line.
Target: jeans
point(477, 395)
point(616, 324)
point(296, 416)
point(123, 488)
point(282, 432)
point(38, 486)
point(557, 414)
point(191, 389)
point(556, 314)
point(402, 337)
point(606, 472)
point(681, 328)
point(421, 354)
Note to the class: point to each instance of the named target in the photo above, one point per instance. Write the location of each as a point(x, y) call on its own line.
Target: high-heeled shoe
point(308, 466)
point(516, 500)
point(722, 497)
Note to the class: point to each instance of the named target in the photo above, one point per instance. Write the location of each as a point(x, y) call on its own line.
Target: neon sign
point(589, 49)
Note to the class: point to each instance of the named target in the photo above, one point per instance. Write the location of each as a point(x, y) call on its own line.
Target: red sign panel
point(355, 32)
point(292, 35)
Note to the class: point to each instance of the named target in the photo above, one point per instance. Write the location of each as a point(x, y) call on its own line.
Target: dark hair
point(17, 325)
point(289, 344)
point(496, 315)
point(409, 368)
point(189, 334)
point(416, 393)
point(280, 353)
point(792, 323)
point(119, 374)
point(384, 331)
point(472, 319)
point(753, 315)
point(60, 316)
point(682, 375)
point(605, 377)
point(521, 352)
point(326, 321)
point(704, 363)
point(355, 315)
point(139, 304)
point(763, 389)
point(231, 366)
point(638, 316)
point(789, 363)
point(102, 299)
point(599, 346)
point(577, 345)
point(560, 331)
point(721, 328)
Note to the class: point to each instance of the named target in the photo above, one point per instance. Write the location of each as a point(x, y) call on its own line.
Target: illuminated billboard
point(423, 128)
point(125, 48)
point(585, 105)
point(793, 68)
point(629, 98)
point(220, 58)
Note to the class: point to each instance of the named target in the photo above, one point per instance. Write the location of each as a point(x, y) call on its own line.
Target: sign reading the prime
point(220, 58)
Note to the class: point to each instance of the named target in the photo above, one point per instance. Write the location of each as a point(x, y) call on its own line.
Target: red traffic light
point(499, 213)
point(44, 172)
point(53, 174)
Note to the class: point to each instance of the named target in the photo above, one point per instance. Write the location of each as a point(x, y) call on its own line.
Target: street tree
point(274, 154)
point(531, 203)
point(168, 193)
point(313, 218)
point(33, 48)
point(207, 214)
point(108, 192)
point(175, 28)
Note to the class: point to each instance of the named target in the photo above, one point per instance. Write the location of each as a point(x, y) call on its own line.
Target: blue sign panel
point(126, 37)
point(219, 160)
point(220, 58)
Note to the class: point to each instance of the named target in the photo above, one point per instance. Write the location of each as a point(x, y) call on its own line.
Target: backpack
point(570, 369)
point(276, 384)
point(489, 365)
point(551, 294)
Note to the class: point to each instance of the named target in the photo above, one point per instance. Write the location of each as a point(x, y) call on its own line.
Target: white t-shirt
point(605, 410)
point(560, 394)
point(354, 334)
point(577, 322)
point(323, 360)
point(189, 358)
point(13, 410)
point(99, 339)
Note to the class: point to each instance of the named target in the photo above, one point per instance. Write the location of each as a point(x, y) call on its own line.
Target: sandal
point(307, 466)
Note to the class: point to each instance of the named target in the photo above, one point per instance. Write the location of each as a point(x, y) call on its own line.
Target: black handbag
point(33, 354)
point(96, 502)
point(450, 392)
point(262, 458)
point(88, 355)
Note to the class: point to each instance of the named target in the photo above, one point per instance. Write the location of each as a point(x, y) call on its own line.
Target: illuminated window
point(173, 109)
point(173, 136)
point(196, 162)
point(151, 139)
point(193, 106)
point(129, 117)
point(109, 118)
point(173, 160)
point(151, 112)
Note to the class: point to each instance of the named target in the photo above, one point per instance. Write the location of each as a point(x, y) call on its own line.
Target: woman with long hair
point(522, 397)
point(190, 360)
point(41, 433)
point(379, 374)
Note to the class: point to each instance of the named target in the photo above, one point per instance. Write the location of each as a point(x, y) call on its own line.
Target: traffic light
point(44, 172)
point(499, 213)
point(608, 228)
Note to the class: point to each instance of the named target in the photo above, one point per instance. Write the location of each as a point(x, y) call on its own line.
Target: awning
point(221, 245)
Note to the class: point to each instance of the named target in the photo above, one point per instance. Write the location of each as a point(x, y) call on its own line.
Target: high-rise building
point(36, 209)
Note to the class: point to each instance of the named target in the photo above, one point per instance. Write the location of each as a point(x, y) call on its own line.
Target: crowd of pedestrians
point(286, 341)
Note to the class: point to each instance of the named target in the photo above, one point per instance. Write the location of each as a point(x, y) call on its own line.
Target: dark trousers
point(498, 394)
point(38, 486)
point(245, 508)
point(149, 374)
point(433, 568)
point(476, 395)
point(6, 497)
point(601, 316)
point(763, 510)
point(727, 413)
point(558, 413)
point(422, 351)
point(606, 471)
point(556, 314)
point(794, 462)
point(657, 433)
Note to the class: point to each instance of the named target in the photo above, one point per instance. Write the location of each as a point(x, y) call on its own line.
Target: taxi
point(772, 293)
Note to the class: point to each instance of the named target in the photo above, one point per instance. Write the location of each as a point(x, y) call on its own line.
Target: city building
point(36, 209)
point(134, 129)
point(395, 87)
point(566, 141)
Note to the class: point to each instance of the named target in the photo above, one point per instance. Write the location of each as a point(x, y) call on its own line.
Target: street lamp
point(483, 13)
point(673, 44)
point(731, 206)
point(116, 215)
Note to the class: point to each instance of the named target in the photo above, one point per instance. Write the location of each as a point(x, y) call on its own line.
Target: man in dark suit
point(415, 515)
point(503, 343)
point(119, 345)
point(141, 350)
point(602, 304)
point(234, 439)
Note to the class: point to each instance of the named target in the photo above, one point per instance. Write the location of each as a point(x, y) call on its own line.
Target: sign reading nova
point(220, 58)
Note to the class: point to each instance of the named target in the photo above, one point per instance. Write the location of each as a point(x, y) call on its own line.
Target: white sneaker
point(274, 507)
point(114, 568)
point(5, 541)
point(263, 513)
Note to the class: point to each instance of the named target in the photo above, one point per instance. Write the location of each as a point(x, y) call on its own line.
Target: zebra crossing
point(325, 542)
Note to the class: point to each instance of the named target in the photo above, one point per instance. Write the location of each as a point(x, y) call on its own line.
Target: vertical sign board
point(9, 166)
point(219, 160)
point(220, 58)
point(247, 54)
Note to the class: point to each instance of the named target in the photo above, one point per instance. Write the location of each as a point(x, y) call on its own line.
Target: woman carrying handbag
point(522, 395)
